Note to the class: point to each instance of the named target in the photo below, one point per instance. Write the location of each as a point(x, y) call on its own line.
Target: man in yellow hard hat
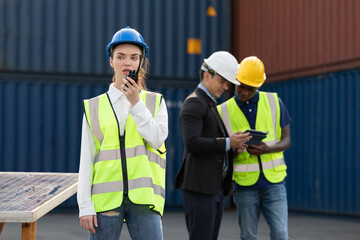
point(259, 170)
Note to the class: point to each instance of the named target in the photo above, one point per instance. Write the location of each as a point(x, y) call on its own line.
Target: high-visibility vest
point(246, 167)
point(145, 166)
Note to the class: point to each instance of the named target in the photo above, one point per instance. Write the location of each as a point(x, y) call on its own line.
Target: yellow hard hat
point(251, 72)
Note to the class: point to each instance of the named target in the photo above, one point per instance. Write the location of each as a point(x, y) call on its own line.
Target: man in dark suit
point(206, 172)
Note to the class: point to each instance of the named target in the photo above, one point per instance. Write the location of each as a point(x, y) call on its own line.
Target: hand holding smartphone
point(257, 136)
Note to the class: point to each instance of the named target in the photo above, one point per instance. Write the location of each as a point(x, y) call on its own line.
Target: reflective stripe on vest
point(224, 113)
point(255, 166)
point(133, 184)
point(274, 112)
point(114, 154)
point(272, 101)
point(151, 103)
point(146, 184)
point(94, 106)
point(246, 167)
point(93, 110)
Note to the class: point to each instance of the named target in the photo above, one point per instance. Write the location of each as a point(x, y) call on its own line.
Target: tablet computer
point(257, 136)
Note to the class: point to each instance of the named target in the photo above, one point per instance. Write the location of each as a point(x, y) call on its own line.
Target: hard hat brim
point(252, 84)
point(234, 81)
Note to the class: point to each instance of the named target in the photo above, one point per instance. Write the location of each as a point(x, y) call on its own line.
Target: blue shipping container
point(323, 162)
point(41, 117)
point(70, 36)
point(40, 128)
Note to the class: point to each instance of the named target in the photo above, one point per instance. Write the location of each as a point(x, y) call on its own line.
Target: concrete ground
point(58, 226)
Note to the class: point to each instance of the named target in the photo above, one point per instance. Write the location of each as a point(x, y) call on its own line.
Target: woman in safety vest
point(122, 162)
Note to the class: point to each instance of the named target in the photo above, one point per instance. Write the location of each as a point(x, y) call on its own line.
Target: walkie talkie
point(134, 75)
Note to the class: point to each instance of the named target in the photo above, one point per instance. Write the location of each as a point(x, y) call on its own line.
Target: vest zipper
point(260, 164)
point(123, 163)
point(122, 152)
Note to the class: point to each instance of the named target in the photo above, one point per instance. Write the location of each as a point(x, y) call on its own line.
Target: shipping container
point(323, 161)
point(297, 38)
point(40, 129)
point(52, 56)
point(69, 36)
point(41, 117)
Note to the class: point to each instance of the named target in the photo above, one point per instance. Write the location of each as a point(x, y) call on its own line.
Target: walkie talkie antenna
point(134, 75)
point(137, 71)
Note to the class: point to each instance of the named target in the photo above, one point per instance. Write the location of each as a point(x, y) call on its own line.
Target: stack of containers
point(52, 56)
point(311, 54)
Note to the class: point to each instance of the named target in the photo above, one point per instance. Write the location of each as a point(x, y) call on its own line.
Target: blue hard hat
point(127, 35)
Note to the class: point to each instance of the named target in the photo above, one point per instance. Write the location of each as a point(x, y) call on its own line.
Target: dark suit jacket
point(204, 147)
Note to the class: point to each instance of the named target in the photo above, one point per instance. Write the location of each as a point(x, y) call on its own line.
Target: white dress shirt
point(154, 131)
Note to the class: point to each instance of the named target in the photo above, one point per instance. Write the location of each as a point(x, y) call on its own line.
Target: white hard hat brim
point(233, 81)
point(236, 82)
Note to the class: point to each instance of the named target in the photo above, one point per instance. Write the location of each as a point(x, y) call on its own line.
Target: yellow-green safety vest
point(145, 165)
point(246, 167)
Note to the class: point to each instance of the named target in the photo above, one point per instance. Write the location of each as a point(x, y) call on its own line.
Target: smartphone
point(257, 136)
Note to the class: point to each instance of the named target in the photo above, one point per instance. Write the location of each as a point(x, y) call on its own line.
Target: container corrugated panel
point(323, 161)
point(40, 129)
point(174, 98)
point(70, 36)
point(40, 125)
point(298, 38)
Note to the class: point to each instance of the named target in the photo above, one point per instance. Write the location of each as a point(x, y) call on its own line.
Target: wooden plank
point(1, 227)
point(28, 231)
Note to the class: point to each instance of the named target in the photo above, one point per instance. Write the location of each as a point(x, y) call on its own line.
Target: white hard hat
point(224, 64)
